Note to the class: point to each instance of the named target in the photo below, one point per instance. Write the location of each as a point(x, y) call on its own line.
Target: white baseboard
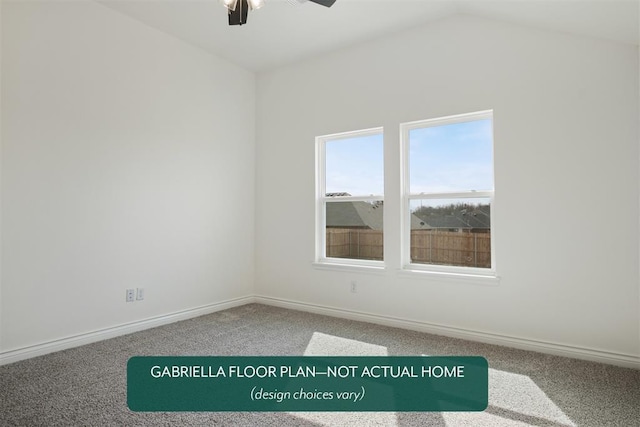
point(103, 334)
point(623, 360)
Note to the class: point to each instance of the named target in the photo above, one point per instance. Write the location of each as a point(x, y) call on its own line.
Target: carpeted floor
point(86, 386)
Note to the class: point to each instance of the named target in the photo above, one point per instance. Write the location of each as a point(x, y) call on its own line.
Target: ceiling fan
point(238, 9)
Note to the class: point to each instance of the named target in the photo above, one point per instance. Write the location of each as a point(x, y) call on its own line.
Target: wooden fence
point(427, 246)
point(354, 243)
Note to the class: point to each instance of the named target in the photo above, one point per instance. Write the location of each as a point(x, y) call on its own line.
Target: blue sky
point(456, 157)
point(355, 165)
point(449, 158)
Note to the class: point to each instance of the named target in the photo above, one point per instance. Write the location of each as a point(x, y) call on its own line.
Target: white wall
point(566, 166)
point(127, 161)
point(0, 173)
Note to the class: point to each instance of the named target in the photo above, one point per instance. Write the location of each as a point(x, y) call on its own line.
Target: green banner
point(307, 383)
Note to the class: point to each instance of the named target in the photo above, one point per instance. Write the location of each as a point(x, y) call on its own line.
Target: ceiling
point(285, 31)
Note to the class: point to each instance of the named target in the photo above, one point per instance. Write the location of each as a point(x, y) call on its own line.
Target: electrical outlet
point(140, 294)
point(131, 295)
point(354, 286)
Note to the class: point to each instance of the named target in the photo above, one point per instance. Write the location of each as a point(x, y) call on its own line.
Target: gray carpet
point(86, 386)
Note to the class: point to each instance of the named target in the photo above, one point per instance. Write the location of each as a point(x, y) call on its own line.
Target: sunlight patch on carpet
point(514, 400)
point(328, 345)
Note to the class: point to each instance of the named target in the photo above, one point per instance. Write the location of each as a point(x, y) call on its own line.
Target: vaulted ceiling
point(285, 31)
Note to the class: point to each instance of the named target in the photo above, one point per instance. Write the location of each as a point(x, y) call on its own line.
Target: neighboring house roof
point(418, 223)
point(465, 218)
point(354, 214)
point(362, 215)
point(350, 214)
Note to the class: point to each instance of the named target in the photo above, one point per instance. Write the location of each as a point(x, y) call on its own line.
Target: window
point(349, 198)
point(448, 194)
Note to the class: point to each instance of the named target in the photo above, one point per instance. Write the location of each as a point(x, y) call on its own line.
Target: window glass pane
point(453, 232)
point(451, 158)
point(354, 230)
point(355, 166)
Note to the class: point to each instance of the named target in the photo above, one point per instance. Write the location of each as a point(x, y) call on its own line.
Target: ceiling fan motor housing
point(238, 16)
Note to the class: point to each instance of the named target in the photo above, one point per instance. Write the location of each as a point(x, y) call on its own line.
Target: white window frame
point(441, 270)
point(321, 260)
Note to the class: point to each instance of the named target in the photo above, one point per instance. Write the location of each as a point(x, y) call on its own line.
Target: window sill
point(356, 268)
point(488, 279)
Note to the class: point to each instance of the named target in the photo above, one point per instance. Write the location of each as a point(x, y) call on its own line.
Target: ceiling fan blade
point(239, 15)
point(327, 3)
